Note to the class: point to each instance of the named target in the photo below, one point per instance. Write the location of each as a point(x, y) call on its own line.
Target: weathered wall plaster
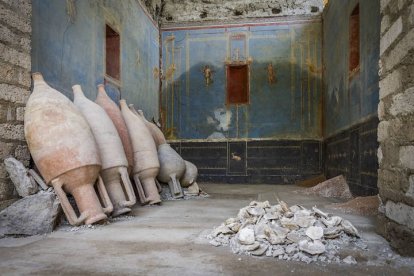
point(396, 128)
point(289, 107)
point(15, 62)
point(68, 48)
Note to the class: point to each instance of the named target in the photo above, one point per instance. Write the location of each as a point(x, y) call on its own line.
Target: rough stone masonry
point(396, 127)
point(15, 82)
point(174, 11)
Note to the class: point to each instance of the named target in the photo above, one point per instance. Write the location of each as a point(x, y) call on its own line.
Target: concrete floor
point(170, 240)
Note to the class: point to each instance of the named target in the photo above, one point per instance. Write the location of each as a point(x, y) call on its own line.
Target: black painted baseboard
point(263, 161)
point(353, 153)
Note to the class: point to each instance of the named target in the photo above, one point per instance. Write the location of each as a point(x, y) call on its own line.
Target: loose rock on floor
point(32, 215)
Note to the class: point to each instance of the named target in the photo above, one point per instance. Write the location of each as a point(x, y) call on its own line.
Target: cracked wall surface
point(396, 127)
point(176, 11)
point(15, 82)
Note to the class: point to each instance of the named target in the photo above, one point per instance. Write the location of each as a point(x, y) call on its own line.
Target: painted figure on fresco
point(208, 75)
point(271, 74)
point(155, 72)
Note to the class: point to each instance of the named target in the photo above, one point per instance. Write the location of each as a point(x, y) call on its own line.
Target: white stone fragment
point(246, 236)
point(314, 232)
point(349, 260)
point(313, 248)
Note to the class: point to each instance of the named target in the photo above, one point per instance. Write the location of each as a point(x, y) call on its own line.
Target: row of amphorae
point(92, 150)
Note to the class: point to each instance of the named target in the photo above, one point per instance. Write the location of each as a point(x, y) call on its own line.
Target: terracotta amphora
point(156, 133)
point(114, 163)
point(113, 111)
point(188, 180)
point(190, 175)
point(172, 168)
point(146, 164)
point(64, 150)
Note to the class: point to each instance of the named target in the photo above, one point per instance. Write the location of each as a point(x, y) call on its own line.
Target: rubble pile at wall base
point(288, 233)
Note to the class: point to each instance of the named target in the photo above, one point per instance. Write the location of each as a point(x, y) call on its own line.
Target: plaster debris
point(288, 233)
point(336, 187)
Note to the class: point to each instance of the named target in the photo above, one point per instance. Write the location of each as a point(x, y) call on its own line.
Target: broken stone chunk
point(294, 236)
point(349, 228)
point(246, 236)
point(33, 215)
point(314, 232)
point(259, 251)
point(221, 229)
point(289, 223)
point(256, 211)
point(21, 180)
point(271, 216)
point(193, 189)
point(303, 219)
point(279, 251)
point(331, 232)
point(250, 247)
point(319, 212)
point(230, 221)
point(332, 221)
point(263, 205)
point(313, 247)
point(291, 248)
point(235, 227)
point(349, 260)
point(295, 208)
point(215, 243)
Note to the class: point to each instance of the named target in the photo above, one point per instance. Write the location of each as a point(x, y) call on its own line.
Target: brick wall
point(15, 81)
point(396, 127)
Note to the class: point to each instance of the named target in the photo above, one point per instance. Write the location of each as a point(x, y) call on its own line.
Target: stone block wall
point(175, 11)
point(396, 127)
point(15, 82)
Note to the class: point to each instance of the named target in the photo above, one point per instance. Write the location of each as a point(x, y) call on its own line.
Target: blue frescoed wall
point(350, 100)
point(69, 48)
point(284, 104)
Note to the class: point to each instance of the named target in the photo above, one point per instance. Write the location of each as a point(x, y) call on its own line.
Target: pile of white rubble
point(288, 233)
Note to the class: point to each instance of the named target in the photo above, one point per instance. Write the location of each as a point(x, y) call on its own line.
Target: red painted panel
point(237, 84)
point(354, 40)
point(113, 53)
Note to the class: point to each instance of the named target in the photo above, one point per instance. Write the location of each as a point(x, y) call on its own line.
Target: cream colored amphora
point(114, 162)
point(172, 166)
point(64, 150)
point(146, 164)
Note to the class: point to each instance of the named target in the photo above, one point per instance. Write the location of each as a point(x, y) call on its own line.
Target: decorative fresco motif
point(208, 75)
point(284, 53)
point(271, 74)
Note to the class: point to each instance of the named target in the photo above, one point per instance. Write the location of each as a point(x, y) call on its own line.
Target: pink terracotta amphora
point(113, 111)
point(64, 150)
point(114, 162)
